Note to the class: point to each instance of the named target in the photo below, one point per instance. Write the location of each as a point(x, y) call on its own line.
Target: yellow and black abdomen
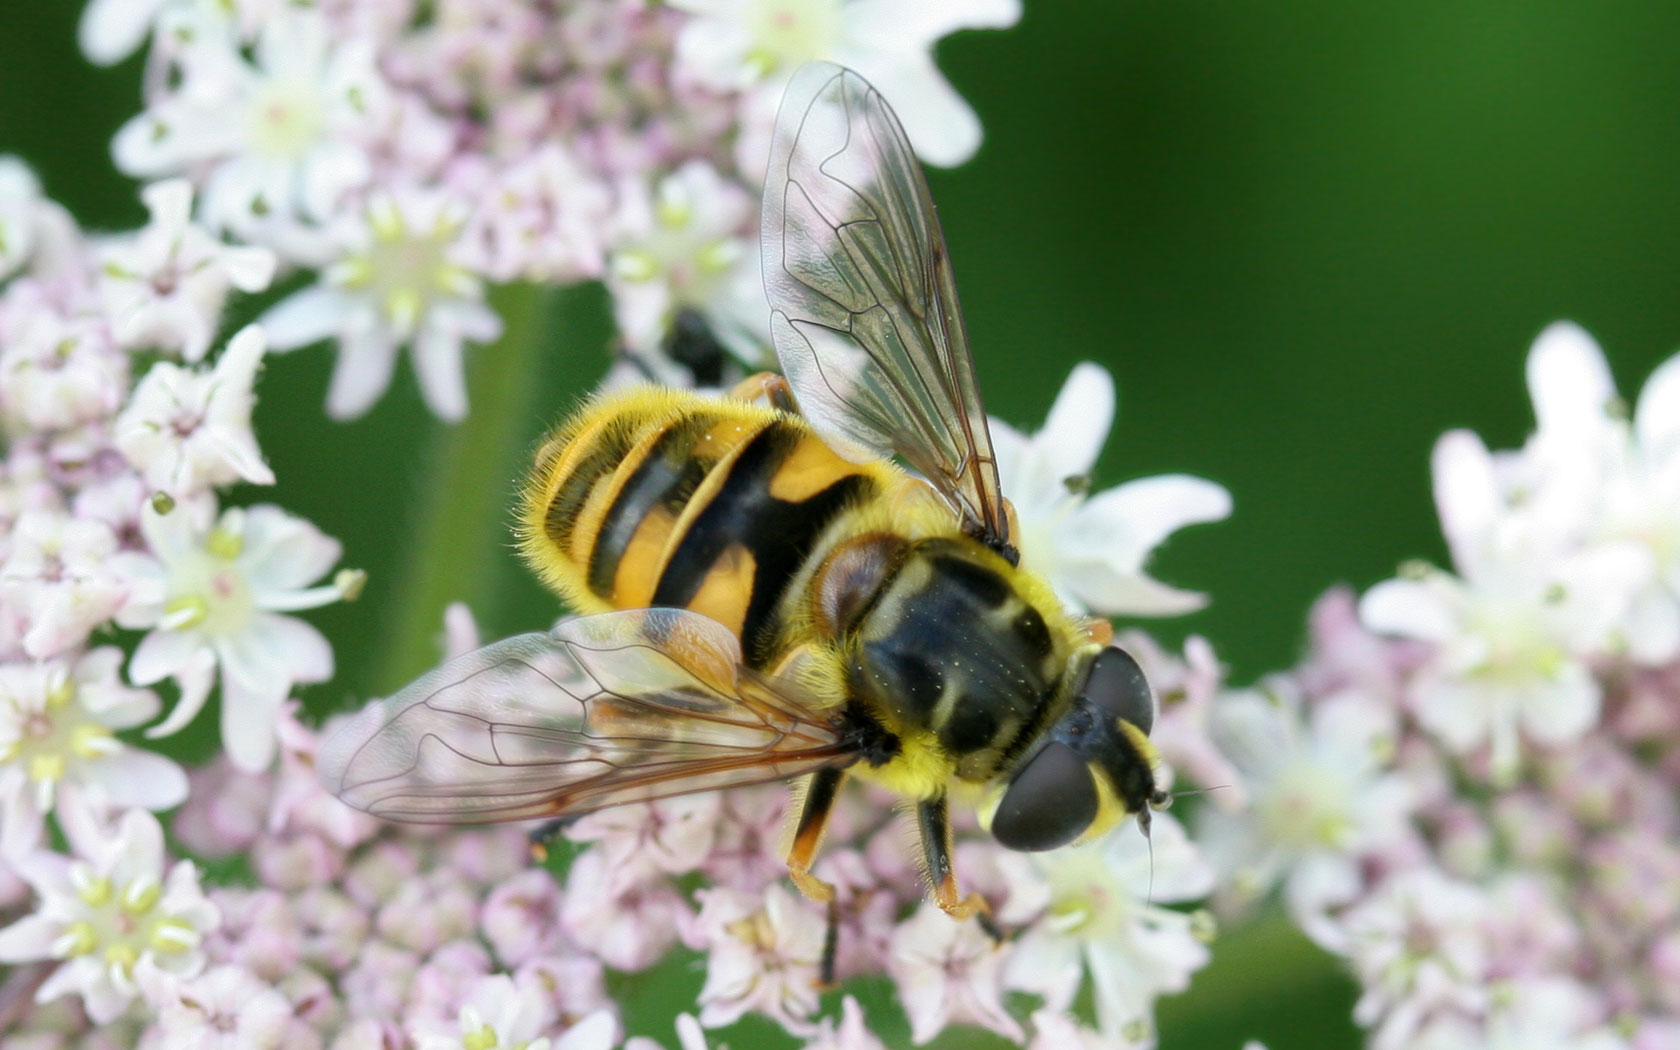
point(666, 498)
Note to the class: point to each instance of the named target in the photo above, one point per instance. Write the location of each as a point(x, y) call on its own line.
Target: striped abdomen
point(660, 498)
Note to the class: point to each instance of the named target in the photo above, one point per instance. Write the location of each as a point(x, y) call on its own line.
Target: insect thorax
point(953, 646)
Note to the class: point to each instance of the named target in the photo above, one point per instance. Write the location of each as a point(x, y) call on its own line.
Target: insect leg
point(933, 822)
point(820, 793)
point(769, 386)
point(544, 833)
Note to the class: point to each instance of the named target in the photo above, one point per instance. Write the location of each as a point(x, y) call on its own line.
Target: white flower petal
point(1409, 608)
point(443, 381)
point(1569, 383)
point(362, 373)
point(1466, 494)
point(1138, 515)
point(134, 777)
point(1657, 419)
point(304, 317)
point(1079, 421)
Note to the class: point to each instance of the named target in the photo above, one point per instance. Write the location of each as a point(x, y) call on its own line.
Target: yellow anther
point(141, 896)
point(224, 544)
point(46, 768)
point(90, 740)
point(185, 610)
point(122, 956)
point(173, 935)
point(78, 938)
point(484, 1038)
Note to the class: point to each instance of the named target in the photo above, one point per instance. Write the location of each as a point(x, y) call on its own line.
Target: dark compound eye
point(1051, 801)
point(1117, 687)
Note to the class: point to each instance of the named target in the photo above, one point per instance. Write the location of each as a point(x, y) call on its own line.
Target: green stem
point(459, 532)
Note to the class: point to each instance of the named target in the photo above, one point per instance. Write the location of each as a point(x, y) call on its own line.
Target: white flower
point(280, 137)
point(852, 1033)
point(186, 431)
point(671, 836)
point(1093, 550)
point(57, 373)
point(502, 1013)
point(113, 916)
point(1320, 799)
point(1539, 1013)
point(1513, 632)
point(681, 243)
point(20, 198)
point(948, 972)
point(763, 953)
point(542, 219)
point(59, 578)
point(1636, 469)
point(735, 44)
point(56, 723)
point(1417, 947)
point(164, 287)
point(226, 1008)
point(213, 598)
point(1096, 914)
point(400, 282)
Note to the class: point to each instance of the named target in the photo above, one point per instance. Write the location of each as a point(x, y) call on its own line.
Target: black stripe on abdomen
point(779, 534)
point(667, 476)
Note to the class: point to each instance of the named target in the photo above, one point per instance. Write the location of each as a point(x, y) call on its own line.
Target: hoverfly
point(764, 594)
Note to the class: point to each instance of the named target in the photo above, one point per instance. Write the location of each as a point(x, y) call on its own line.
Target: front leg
point(820, 792)
point(933, 823)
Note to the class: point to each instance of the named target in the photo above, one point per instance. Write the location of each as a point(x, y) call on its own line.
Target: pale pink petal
point(132, 777)
point(28, 939)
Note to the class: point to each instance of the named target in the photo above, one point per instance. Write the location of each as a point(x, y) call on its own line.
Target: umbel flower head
point(114, 915)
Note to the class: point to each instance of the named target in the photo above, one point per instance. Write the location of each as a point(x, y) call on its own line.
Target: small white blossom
point(763, 955)
point(213, 598)
point(1636, 468)
point(20, 200)
point(113, 915)
point(57, 373)
point(279, 137)
point(500, 1013)
point(682, 243)
point(186, 431)
point(225, 1008)
point(1417, 947)
point(1548, 1013)
point(734, 44)
point(401, 281)
point(56, 723)
point(1094, 912)
point(948, 972)
point(1514, 630)
point(544, 219)
point(58, 577)
point(1320, 799)
point(1093, 550)
point(163, 288)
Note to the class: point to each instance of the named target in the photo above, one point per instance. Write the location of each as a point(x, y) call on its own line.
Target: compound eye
point(1051, 802)
point(1117, 686)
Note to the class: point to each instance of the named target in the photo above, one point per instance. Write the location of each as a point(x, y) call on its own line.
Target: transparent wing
point(602, 710)
point(863, 305)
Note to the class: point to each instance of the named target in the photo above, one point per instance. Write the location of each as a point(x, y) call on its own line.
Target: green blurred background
point(1307, 237)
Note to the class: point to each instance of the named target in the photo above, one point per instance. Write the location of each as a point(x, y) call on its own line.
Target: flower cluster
point(406, 153)
point(394, 159)
point(1468, 789)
